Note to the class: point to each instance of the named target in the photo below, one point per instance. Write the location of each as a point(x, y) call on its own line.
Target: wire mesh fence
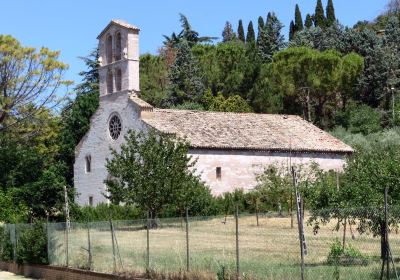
point(208, 246)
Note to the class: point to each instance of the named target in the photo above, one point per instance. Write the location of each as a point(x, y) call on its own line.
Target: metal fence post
point(237, 242)
point(148, 241)
point(15, 243)
point(89, 247)
point(187, 240)
point(113, 245)
point(66, 245)
point(48, 240)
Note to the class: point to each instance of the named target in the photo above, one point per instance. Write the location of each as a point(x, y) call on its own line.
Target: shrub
point(6, 248)
point(32, 245)
point(345, 256)
point(102, 212)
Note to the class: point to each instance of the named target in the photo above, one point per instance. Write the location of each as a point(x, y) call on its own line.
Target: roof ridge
point(226, 113)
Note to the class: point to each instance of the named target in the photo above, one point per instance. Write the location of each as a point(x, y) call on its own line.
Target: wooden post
point(187, 240)
point(148, 241)
point(237, 242)
point(89, 247)
point(300, 224)
point(113, 246)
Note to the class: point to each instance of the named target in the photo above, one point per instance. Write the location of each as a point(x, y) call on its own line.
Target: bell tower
point(119, 58)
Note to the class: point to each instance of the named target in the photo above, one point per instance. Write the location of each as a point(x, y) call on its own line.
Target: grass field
point(269, 251)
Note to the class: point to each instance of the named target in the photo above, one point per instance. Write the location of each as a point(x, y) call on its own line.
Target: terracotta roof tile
point(247, 131)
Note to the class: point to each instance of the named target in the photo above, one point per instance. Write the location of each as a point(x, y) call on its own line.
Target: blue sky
point(72, 26)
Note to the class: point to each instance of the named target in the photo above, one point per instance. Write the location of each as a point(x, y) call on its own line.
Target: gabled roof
point(245, 131)
point(118, 22)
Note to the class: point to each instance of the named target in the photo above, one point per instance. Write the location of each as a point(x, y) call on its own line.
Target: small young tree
point(275, 186)
point(309, 21)
point(152, 170)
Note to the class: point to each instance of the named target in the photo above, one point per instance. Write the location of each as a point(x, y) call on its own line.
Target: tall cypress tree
point(309, 22)
point(298, 19)
point(241, 31)
point(319, 16)
point(260, 28)
point(251, 36)
point(330, 13)
point(292, 30)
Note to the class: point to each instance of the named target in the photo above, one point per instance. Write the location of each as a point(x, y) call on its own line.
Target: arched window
point(118, 79)
point(109, 51)
point(88, 164)
point(118, 47)
point(110, 81)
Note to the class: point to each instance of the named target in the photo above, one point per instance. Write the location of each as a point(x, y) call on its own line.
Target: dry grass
point(269, 251)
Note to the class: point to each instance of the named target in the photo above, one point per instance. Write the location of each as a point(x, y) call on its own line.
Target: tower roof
point(121, 23)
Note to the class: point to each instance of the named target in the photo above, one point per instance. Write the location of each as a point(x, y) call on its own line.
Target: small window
point(88, 165)
point(110, 81)
point(118, 80)
point(109, 50)
point(218, 172)
point(118, 49)
point(90, 200)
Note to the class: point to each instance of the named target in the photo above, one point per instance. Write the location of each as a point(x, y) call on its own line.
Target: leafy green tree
point(228, 34)
point(365, 178)
point(233, 103)
point(240, 32)
point(151, 170)
point(11, 212)
point(251, 36)
point(29, 81)
point(309, 21)
point(185, 78)
point(298, 19)
point(360, 118)
point(275, 187)
point(315, 79)
point(330, 13)
point(319, 16)
point(32, 245)
point(272, 40)
point(153, 78)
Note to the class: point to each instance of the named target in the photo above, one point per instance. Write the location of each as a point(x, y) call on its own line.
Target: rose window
point(115, 127)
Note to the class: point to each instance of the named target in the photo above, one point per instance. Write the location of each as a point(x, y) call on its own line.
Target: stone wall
point(97, 143)
point(239, 168)
point(54, 273)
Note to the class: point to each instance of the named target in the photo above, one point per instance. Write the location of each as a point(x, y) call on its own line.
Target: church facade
point(230, 148)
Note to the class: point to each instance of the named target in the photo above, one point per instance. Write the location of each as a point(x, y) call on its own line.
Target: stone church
point(231, 148)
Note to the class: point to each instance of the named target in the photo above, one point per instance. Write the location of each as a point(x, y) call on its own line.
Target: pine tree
point(298, 19)
point(185, 78)
point(228, 34)
point(271, 39)
point(319, 16)
point(241, 32)
point(330, 13)
point(309, 21)
point(260, 28)
point(251, 36)
point(292, 30)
